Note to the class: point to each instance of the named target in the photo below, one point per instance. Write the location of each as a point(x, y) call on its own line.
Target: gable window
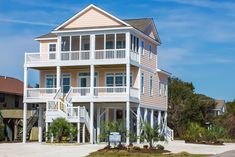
point(52, 51)
point(150, 51)
point(142, 83)
point(151, 86)
point(160, 88)
point(142, 47)
point(65, 43)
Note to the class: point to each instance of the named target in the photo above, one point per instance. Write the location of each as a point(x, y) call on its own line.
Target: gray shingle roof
point(219, 104)
point(48, 35)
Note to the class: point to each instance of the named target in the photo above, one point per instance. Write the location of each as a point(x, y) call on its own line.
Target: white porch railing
point(134, 92)
point(41, 92)
point(39, 57)
point(81, 91)
point(74, 55)
point(109, 91)
point(110, 54)
point(169, 133)
point(134, 56)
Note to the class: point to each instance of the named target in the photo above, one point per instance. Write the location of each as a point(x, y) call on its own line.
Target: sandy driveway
point(45, 150)
point(48, 150)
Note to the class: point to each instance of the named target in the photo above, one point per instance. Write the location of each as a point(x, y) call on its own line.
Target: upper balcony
point(84, 49)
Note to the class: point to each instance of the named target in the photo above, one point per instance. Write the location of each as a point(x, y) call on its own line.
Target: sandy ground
point(179, 146)
point(73, 150)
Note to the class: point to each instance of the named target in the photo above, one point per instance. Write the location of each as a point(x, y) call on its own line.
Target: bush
point(194, 133)
point(197, 134)
point(160, 147)
point(1, 130)
point(136, 148)
point(60, 128)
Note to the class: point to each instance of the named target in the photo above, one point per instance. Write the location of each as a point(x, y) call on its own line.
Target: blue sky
point(198, 36)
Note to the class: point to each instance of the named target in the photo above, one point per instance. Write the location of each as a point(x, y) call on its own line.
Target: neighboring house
point(95, 68)
point(220, 108)
point(11, 105)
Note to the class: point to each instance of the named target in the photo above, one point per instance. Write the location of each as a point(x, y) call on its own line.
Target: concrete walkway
point(226, 154)
point(180, 146)
point(46, 150)
point(74, 150)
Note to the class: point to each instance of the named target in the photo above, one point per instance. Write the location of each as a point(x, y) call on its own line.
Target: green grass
point(124, 153)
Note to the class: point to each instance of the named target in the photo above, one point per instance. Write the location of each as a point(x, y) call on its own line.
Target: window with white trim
point(165, 89)
point(160, 88)
point(150, 51)
point(151, 85)
point(52, 51)
point(142, 83)
point(117, 79)
point(50, 81)
point(142, 47)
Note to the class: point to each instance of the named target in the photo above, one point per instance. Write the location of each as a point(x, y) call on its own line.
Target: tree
point(150, 134)
point(185, 107)
point(60, 128)
point(1, 128)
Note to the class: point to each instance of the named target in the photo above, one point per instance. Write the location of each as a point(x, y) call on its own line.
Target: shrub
point(136, 148)
point(160, 147)
point(215, 133)
point(194, 133)
point(145, 146)
point(60, 128)
point(1, 130)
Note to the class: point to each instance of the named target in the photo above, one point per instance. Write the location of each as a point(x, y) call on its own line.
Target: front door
point(66, 83)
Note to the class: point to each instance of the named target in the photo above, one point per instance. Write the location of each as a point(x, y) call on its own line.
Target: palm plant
point(150, 134)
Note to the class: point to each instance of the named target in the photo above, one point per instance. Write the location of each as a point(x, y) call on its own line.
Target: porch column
point(91, 122)
point(58, 78)
point(83, 133)
point(145, 115)
point(159, 121)
point(98, 124)
point(138, 124)
point(127, 122)
point(46, 130)
point(40, 119)
point(114, 114)
point(152, 118)
point(165, 120)
point(25, 123)
point(78, 126)
point(106, 115)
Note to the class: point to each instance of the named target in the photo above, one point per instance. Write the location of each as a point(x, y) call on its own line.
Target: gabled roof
point(10, 85)
point(219, 104)
point(140, 24)
point(84, 10)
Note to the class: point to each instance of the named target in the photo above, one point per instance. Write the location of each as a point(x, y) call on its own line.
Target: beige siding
point(92, 18)
point(155, 99)
point(150, 63)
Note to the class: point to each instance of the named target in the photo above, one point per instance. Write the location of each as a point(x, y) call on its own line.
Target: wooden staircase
point(87, 133)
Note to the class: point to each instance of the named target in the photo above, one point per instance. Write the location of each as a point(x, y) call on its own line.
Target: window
point(142, 47)
point(160, 89)
point(142, 83)
point(65, 43)
point(17, 102)
point(50, 81)
point(117, 79)
point(151, 86)
point(52, 51)
point(2, 98)
point(66, 82)
point(150, 52)
point(165, 90)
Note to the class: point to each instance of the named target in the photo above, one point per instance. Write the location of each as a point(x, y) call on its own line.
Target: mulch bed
point(131, 150)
